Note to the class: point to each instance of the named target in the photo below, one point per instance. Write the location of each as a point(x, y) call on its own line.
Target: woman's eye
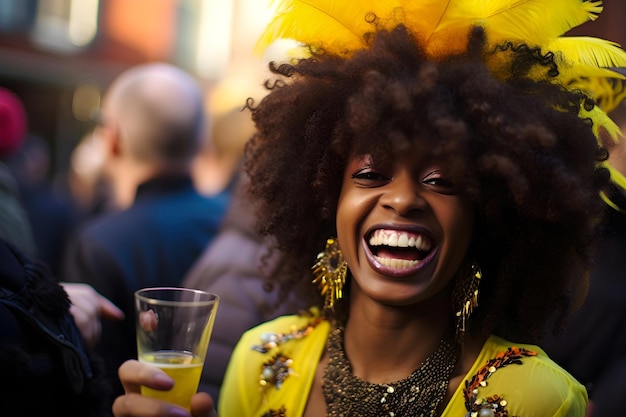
point(440, 182)
point(368, 176)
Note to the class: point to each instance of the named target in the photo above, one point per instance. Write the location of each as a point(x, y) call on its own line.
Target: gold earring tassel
point(329, 271)
point(471, 302)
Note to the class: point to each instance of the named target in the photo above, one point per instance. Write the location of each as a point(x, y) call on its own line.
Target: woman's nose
point(403, 194)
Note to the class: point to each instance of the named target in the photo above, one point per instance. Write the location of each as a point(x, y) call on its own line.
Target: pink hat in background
point(13, 122)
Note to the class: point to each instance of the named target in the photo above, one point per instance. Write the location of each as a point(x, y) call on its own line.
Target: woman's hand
point(134, 374)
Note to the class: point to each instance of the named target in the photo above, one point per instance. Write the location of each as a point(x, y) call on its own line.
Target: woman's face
point(404, 236)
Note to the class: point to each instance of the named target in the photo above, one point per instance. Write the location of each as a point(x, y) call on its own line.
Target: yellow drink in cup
point(174, 326)
point(183, 367)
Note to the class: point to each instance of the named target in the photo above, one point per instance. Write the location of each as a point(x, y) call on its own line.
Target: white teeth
point(397, 263)
point(399, 239)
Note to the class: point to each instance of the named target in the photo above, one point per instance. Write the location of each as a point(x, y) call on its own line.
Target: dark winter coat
point(45, 368)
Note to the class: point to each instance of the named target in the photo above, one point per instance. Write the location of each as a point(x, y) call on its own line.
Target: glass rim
point(142, 295)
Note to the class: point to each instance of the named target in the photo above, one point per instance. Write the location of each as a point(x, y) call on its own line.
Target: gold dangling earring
point(467, 299)
point(330, 271)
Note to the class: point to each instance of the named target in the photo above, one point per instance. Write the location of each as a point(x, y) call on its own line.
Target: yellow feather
point(574, 73)
point(601, 120)
point(340, 28)
point(614, 94)
point(324, 23)
point(607, 87)
point(535, 21)
point(612, 204)
point(589, 51)
point(423, 17)
point(617, 177)
point(450, 34)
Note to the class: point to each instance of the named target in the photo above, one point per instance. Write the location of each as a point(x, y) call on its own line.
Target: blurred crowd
point(142, 199)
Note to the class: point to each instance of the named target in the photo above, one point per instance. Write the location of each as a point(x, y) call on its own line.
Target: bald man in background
point(151, 124)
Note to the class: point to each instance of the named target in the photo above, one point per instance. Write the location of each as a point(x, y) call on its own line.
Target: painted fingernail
point(163, 379)
point(177, 412)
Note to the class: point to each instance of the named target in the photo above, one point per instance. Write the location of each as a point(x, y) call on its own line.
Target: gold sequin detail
point(494, 406)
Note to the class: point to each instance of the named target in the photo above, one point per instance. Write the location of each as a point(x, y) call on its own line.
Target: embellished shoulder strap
point(279, 364)
point(278, 367)
point(493, 406)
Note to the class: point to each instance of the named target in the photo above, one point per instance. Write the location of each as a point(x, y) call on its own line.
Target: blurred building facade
point(59, 55)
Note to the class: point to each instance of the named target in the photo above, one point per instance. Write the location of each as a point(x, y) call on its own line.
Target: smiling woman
point(453, 187)
point(494, 181)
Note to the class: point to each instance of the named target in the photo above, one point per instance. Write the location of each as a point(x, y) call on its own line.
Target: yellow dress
point(537, 387)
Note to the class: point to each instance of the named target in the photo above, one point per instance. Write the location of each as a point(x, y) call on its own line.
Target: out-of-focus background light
point(60, 55)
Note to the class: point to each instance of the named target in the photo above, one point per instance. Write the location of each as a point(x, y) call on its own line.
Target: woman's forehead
point(414, 158)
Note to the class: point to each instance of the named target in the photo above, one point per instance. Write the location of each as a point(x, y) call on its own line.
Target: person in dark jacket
point(41, 349)
point(151, 124)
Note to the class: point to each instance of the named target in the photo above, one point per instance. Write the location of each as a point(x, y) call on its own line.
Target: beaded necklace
point(416, 396)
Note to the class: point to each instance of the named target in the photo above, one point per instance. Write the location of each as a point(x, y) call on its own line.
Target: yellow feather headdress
point(585, 63)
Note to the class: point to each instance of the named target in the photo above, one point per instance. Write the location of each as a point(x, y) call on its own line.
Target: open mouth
point(399, 249)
